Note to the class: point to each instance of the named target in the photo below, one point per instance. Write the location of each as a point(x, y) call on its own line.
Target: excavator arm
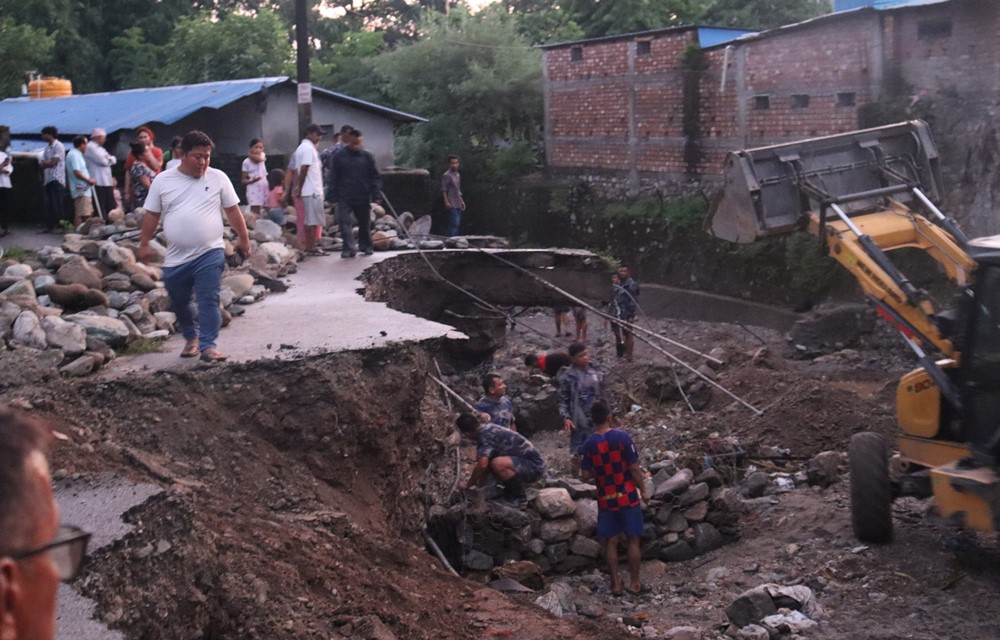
point(864, 194)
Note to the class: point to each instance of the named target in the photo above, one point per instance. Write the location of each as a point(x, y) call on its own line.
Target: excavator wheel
point(871, 491)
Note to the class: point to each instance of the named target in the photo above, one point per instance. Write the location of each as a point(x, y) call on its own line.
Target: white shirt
point(5, 171)
point(306, 154)
point(171, 163)
point(99, 163)
point(191, 211)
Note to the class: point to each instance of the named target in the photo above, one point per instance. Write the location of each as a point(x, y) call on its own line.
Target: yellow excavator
point(866, 194)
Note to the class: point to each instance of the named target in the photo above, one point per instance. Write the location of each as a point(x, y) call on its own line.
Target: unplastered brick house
point(654, 111)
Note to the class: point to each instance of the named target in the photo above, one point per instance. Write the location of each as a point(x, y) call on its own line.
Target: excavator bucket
point(769, 190)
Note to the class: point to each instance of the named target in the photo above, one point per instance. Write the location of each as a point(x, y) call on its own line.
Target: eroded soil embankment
point(294, 494)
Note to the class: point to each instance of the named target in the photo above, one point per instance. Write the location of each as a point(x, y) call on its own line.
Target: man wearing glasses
point(35, 551)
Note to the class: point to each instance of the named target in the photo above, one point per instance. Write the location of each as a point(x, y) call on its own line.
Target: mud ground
point(295, 491)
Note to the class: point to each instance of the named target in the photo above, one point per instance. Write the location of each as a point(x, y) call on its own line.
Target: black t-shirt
point(555, 361)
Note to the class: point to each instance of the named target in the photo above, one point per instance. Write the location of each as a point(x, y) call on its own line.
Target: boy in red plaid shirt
point(609, 456)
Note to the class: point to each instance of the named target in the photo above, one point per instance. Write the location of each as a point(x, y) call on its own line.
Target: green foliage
point(479, 84)
point(761, 14)
point(896, 102)
point(811, 270)
point(346, 66)
point(676, 214)
point(135, 62)
point(203, 48)
point(608, 17)
point(22, 49)
point(144, 345)
point(17, 254)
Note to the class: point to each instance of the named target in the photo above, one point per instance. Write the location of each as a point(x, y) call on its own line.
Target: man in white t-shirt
point(191, 199)
point(310, 185)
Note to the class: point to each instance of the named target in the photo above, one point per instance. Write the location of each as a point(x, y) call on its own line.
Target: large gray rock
point(674, 486)
point(271, 231)
point(557, 530)
point(111, 331)
point(114, 256)
point(677, 552)
point(695, 493)
point(28, 331)
point(586, 516)
point(20, 288)
point(159, 300)
point(824, 469)
point(757, 484)
point(752, 606)
point(476, 560)
point(82, 366)
point(60, 334)
point(78, 271)
point(584, 546)
point(706, 538)
point(43, 281)
point(554, 503)
point(18, 271)
point(166, 320)
point(142, 282)
point(676, 522)
point(76, 296)
point(240, 283)
point(577, 489)
point(6, 328)
point(275, 252)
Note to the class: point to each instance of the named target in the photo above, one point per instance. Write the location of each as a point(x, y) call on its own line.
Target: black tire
point(871, 491)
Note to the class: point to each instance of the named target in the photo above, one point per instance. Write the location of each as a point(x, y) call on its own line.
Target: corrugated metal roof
point(714, 34)
point(128, 109)
point(846, 5)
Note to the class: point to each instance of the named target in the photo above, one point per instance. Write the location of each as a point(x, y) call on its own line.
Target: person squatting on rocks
point(506, 454)
point(99, 163)
point(495, 407)
point(253, 175)
point(189, 199)
point(625, 305)
point(451, 190)
point(610, 458)
point(354, 183)
point(548, 363)
point(309, 187)
point(81, 185)
point(35, 551)
point(54, 180)
point(580, 386)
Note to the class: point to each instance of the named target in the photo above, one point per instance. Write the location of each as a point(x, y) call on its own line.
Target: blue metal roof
point(707, 36)
point(712, 36)
point(128, 109)
point(846, 5)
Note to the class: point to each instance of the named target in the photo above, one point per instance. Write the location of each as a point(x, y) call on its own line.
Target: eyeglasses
point(67, 551)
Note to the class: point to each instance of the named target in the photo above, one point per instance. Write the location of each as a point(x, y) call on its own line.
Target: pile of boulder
point(687, 515)
point(90, 297)
point(771, 610)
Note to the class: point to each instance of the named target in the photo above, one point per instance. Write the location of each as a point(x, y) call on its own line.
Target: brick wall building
point(616, 108)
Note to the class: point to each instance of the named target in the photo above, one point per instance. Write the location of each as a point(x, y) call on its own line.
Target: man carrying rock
point(581, 385)
point(506, 454)
point(35, 551)
point(495, 407)
point(610, 458)
point(190, 198)
point(548, 363)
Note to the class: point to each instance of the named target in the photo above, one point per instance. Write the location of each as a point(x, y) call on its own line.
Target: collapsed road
point(296, 484)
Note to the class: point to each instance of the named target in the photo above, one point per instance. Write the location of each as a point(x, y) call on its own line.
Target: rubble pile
point(687, 515)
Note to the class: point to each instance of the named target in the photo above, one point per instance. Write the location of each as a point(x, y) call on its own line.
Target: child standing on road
point(254, 176)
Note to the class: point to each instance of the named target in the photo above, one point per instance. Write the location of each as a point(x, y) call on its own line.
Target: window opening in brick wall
point(576, 54)
point(800, 100)
point(930, 29)
point(643, 47)
point(846, 99)
point(762, 102)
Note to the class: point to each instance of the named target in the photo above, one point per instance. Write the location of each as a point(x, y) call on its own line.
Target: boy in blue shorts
point(609, 456)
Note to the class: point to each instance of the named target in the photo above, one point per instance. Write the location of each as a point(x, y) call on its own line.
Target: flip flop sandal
point(643, 590)
point(190, 350)
point(211, 355)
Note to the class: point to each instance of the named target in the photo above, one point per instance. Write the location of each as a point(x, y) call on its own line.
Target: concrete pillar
point(742, 95)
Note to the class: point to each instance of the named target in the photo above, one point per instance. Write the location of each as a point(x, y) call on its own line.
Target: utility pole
point(302, 65)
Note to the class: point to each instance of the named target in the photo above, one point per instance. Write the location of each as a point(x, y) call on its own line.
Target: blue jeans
point(202, 277)
point(454, 220)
